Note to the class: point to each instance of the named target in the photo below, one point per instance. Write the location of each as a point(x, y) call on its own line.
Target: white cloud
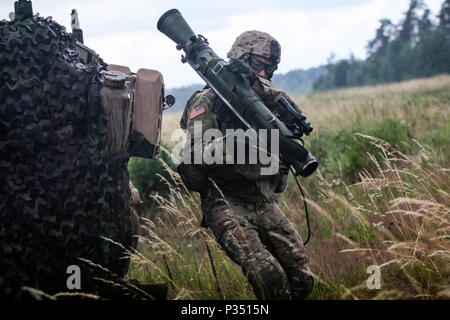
point(124, 32)
point(308, 37)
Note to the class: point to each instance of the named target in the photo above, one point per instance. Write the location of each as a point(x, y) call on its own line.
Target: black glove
point(239, 66)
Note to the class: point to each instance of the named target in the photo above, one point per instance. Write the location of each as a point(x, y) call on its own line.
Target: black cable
point(306, 207)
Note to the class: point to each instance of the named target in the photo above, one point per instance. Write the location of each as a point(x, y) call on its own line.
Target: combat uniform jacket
point(242, 212)
point(243, 181)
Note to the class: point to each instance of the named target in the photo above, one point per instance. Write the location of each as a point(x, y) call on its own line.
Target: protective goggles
point(258, 66)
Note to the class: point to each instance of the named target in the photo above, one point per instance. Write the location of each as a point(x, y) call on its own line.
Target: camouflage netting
point(59, 195)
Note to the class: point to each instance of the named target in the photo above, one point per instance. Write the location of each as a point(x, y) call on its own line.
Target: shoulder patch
point(197, 111)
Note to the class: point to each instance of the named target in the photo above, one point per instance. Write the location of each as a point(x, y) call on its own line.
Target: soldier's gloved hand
point(239, 66)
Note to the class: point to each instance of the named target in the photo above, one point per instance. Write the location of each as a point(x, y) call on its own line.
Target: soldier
point(238, 203)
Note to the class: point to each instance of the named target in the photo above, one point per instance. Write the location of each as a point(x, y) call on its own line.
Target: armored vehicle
point(69, 122)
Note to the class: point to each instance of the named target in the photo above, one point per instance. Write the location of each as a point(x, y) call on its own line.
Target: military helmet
point(256, 42)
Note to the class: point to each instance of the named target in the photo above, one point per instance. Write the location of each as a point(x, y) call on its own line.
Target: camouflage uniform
point(240, 205)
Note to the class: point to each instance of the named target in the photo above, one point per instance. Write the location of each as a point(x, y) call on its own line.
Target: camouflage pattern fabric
point(251, 185)
point(256, 42)
point(260, 238)
point(240, 206)
point(59, 193)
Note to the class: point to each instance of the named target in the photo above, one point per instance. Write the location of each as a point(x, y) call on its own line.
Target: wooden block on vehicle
point(148, 106)
point(116, 67)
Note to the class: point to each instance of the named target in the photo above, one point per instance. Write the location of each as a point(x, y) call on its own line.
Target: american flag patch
point(198, 110)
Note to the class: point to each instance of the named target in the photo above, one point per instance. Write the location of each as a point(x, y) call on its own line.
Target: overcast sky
point(124, 32)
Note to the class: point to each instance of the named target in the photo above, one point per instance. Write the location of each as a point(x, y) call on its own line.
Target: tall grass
point(392, 211)
point(397, 219)
point(174, 248)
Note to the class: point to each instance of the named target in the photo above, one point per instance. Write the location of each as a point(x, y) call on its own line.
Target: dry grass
point(337, 109)
point(418, 103)
point(396, 217)
point(175, 249)
point(170, 122)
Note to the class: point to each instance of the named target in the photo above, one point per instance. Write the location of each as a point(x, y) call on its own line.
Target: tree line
point(415, 47)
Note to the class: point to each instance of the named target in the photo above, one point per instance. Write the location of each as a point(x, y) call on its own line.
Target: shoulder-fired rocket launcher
point(234, 90)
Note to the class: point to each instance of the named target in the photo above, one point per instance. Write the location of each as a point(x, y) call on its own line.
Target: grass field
point(380, 197)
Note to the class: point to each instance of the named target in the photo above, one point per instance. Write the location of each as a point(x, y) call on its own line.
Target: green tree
point(382, 37)
point(409, 30)
point(340, 73)
point(425, 23)
point(415, 47)
point(444, 15)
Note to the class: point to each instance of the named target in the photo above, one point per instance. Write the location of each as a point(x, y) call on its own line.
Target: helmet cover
point(256, 42)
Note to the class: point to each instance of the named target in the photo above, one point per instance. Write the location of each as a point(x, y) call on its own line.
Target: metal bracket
point(217, 68)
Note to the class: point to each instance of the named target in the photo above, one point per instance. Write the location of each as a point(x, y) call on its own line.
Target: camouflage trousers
point(260, 238)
